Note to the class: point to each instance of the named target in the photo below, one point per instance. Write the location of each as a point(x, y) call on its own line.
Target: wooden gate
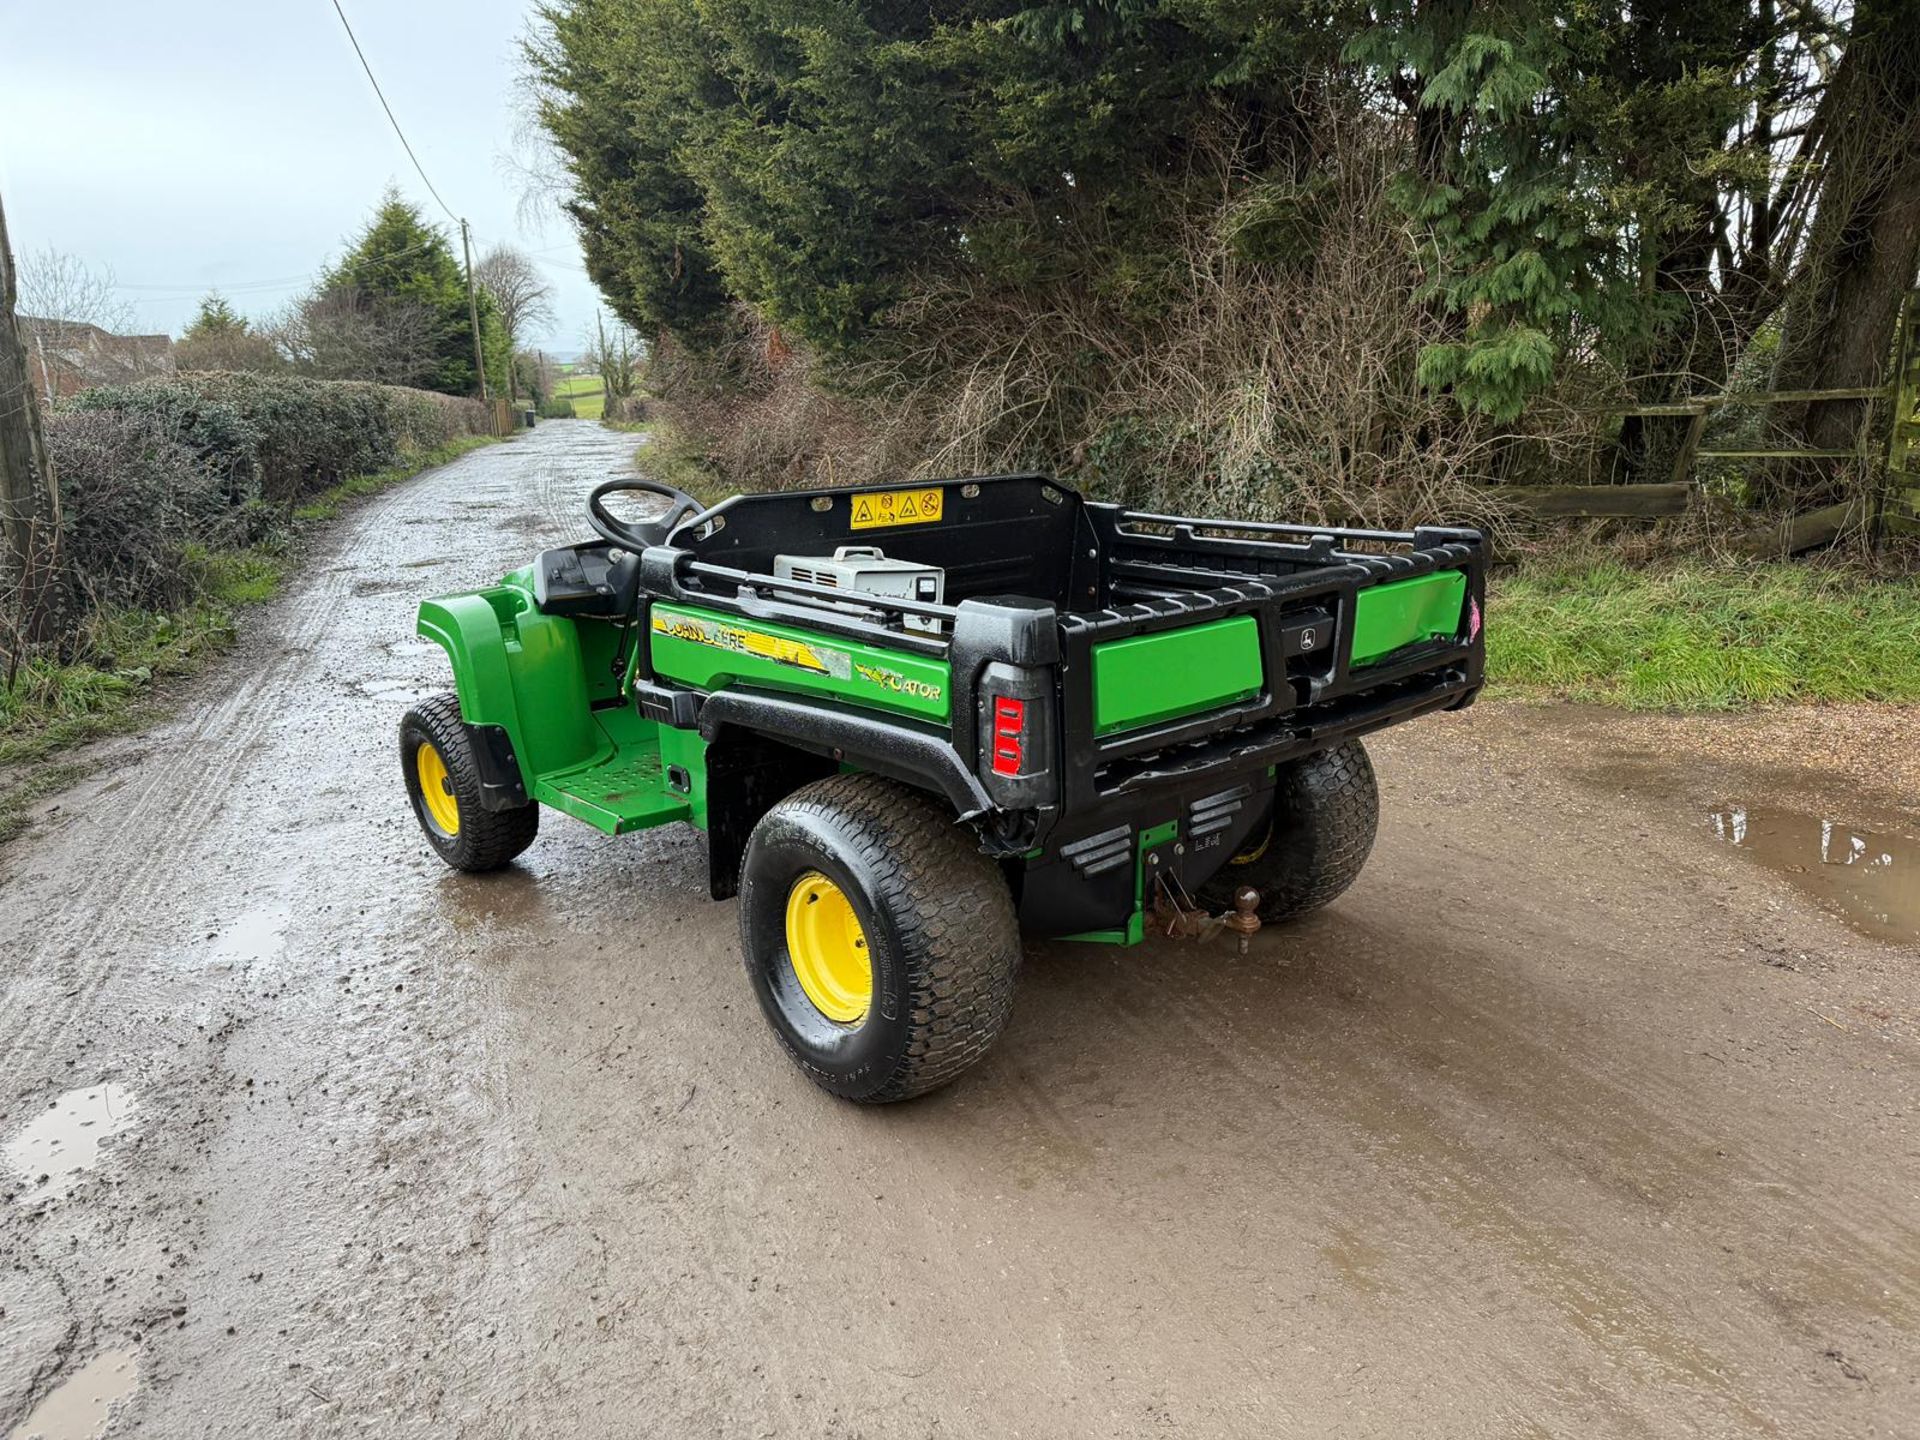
point(1894, 504)
point(1903, 450)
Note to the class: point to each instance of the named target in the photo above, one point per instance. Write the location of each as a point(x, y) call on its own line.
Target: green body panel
point(710, 650)
point(518, 669)
point(1135, 930)
point(686, 749)
point(1177, 672)
point(1387, 617)
point(537, 676)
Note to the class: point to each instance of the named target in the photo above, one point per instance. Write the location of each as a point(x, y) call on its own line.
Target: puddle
point(78, 1410)
point(62, 1142)
point(405, 690)
point(256, 935)
point(1869, 874)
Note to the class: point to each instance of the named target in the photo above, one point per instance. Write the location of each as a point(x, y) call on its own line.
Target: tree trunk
point(35, 564)
point(1863, 248)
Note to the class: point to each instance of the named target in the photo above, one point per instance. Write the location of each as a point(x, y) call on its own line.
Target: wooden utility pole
point(473, 311)
point(34, 558)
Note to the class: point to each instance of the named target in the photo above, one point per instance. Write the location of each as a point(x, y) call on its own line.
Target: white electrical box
point(865, 570)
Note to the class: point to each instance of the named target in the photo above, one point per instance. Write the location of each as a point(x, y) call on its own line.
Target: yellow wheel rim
point(1247, 857)
point(436, 789)
point(829, 949)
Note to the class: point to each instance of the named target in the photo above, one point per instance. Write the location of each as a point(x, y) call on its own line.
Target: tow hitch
point(1178, 917)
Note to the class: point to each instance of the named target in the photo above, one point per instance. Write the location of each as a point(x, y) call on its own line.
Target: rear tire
point(920, 940)
point(1326, 811)
point(443, 784)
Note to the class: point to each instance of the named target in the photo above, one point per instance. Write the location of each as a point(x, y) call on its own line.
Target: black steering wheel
point(639, 535)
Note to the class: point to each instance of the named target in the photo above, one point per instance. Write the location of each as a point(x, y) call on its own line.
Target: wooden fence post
point(1683, 462)
point(34, 589)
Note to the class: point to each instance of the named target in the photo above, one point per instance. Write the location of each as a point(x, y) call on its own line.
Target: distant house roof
point(78, 356)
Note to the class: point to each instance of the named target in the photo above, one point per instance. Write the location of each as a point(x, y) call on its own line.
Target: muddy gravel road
point(1589, 1111)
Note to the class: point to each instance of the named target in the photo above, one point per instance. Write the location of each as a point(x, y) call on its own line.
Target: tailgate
point(1148, 680)
point(1228, 646)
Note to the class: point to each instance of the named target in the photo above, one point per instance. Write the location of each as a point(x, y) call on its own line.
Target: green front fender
point(521, 670)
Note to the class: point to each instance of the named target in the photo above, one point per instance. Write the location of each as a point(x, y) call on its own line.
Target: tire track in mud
point(183, 783)
point(181, 793)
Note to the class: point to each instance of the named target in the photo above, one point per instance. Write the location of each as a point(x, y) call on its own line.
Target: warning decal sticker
point(876, 508)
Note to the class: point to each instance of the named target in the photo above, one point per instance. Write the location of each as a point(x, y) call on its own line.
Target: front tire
point(443, 784)
point(881, 944)
point(1316, 839)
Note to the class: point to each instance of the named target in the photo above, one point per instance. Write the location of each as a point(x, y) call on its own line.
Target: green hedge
point(281, 438)
point(157, 477)
point(138, 504)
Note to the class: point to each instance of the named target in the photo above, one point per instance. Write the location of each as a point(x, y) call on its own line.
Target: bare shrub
point(1266, 369)
point(336, 334)
point(249, 350)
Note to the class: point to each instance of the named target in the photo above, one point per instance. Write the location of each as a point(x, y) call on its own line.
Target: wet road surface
point(1569, 1119)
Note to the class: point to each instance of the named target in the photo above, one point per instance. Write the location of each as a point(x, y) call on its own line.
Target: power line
point(466, 242)
point(173, 290)
point(390, 116)
point(161, 293)
point(197, 287)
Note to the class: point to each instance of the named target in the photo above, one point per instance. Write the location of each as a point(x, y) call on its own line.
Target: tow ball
point(1177, 916)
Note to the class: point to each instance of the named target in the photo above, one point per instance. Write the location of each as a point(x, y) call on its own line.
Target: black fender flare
point(898, 748)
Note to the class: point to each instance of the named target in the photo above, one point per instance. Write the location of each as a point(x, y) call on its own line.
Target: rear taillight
point(1016, 735)
point(1009, 734)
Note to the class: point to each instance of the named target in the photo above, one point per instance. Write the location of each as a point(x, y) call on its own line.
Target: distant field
point(588, 395)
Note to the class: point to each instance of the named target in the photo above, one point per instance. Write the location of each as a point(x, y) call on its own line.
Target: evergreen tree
point(1602, 191)
point(221, 338)
point(215, 320)
point(401, 272)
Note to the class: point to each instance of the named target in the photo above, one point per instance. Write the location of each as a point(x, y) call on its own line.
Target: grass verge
point(1703, 636)
point(52, 707)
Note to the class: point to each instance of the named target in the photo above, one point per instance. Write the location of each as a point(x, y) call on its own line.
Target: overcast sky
point(189, 145)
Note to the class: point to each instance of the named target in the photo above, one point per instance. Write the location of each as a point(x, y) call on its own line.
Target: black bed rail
point(1190, 526)
point(674, 575)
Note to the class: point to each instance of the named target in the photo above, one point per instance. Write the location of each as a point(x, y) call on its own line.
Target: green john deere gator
point(917, 720)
